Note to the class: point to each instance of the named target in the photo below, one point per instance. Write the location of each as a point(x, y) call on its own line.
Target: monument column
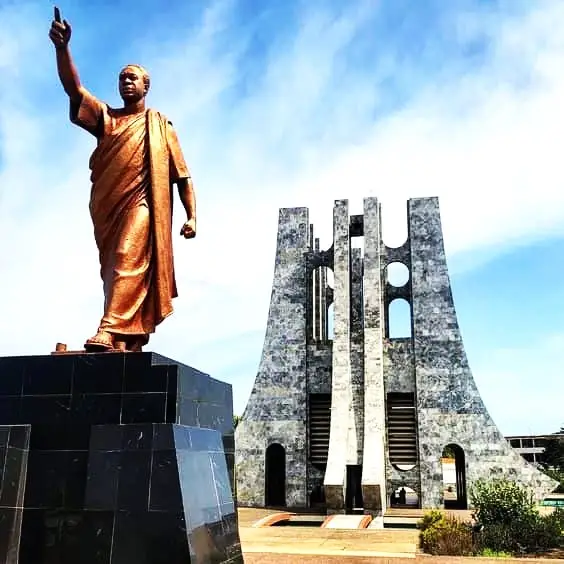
point(373, 469)
point(341, 395)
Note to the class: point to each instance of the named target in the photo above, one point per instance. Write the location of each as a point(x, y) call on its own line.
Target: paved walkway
point(294, 545)
point(310, 559)
point(419, 559)
point(299, 542)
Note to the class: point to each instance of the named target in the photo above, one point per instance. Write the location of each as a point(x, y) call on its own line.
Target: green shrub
point(501, 537)
point(429, 519)
point(489, 553)
point(538, 534)
point(502, 502)
point(445, 536)
point(511, 520)
point(511, 525)
point(550, 530)
point(558, 517)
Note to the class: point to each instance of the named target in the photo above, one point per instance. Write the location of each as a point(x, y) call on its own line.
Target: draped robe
point(135, 163)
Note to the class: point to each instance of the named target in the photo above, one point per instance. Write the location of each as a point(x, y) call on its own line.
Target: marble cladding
point(356, 407)
point(319, 368)
point(449, 406)
point(14, 454)
point(361, 365)
point(74, 406)
point(250, 460)
point(399, 369)
point(277, 407)
point(399, 377)
point(156, 493)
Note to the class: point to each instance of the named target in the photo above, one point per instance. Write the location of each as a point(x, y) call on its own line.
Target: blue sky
point(298, 103)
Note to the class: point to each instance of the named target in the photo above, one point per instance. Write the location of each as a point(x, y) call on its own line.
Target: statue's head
point(134, 83)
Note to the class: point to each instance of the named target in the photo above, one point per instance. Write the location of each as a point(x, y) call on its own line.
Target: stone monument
point(112, 455)
point(356, 420)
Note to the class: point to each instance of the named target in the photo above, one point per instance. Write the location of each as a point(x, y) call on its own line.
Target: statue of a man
point(136, 161)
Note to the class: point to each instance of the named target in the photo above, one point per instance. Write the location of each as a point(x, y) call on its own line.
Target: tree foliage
point(236, 421)
point(553, 460)
point(553, 456)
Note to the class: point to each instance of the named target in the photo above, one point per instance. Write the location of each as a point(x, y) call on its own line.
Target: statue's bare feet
point(137, 343)
point(120, 345)
point(130, 343)
point(102, 341)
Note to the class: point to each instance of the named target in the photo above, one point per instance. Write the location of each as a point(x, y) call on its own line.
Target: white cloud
point(483, 138)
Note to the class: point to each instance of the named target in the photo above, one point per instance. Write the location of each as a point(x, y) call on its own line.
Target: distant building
point(531, 447)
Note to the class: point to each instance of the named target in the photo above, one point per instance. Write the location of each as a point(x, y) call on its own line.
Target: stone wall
point(319, 356)
point(277, 408)
point(356, 407)
point(399, 377)
point(450, 409)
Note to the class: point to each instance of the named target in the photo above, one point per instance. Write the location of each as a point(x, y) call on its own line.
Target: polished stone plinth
point(14, 449)
point(115, 458)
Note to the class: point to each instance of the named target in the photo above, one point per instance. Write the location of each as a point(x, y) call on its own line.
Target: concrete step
point(377, 522)
point(347, 522)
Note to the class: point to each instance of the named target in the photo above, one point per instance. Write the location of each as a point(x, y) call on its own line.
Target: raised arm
point(68, 74)
point(60, 34)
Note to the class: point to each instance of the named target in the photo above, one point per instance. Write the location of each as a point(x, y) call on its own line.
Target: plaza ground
point(293, 545)
point(305, 544)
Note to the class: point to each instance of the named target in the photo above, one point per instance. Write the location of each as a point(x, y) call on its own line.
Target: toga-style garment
point(135, 163)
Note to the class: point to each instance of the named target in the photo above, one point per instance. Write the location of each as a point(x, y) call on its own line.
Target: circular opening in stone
point(398, 274)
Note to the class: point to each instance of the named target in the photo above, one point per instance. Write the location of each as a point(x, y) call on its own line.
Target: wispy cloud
point(277, 107)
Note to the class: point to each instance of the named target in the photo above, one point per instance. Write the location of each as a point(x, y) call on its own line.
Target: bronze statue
point(136, 161)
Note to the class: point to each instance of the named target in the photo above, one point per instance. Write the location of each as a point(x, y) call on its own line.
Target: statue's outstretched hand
point(60, 32)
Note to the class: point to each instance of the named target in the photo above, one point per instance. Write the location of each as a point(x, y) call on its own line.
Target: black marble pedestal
point(115, 458)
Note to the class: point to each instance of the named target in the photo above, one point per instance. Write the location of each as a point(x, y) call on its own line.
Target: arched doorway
point(453, 463)
point(275, 476)
point(405, 497)
point(317, 497)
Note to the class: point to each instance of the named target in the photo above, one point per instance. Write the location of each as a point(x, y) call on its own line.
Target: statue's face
point(132, 87)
